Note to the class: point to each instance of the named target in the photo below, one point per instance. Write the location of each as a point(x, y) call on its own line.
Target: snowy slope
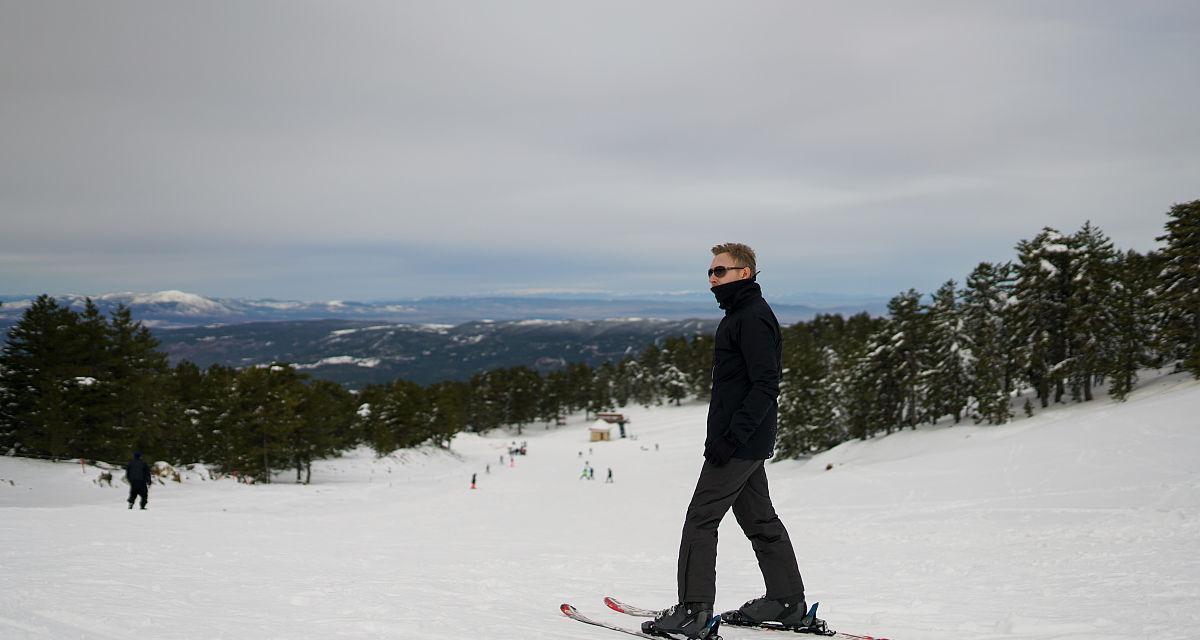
point(1082, 522)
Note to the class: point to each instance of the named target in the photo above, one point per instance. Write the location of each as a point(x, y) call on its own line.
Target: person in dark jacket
point(740, 438)
point(137, 472)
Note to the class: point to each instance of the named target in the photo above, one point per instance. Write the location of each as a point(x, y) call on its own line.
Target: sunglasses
point(721, 271)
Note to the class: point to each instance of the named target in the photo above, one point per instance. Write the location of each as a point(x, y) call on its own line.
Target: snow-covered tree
point(944, 376)
point(1040, 312)
point(983, 312)
point(1179, 290)
point(1090, 319)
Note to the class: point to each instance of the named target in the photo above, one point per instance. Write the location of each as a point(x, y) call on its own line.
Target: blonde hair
point(741, 253)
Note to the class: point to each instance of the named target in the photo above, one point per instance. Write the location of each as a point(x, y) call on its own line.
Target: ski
point(573, 613)
point(639, 612)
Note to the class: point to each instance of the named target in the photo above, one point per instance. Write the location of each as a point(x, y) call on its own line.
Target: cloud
point(284, 148)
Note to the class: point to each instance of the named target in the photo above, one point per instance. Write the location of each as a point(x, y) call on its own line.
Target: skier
point(609, 479)
point(138, 475)
point(741, 436)
point(472, 480)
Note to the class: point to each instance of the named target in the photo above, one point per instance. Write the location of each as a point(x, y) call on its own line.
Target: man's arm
point(756, 340)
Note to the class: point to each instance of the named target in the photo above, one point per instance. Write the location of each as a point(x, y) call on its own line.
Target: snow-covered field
point(1082, 522)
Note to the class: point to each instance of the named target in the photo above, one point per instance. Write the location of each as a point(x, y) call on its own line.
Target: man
point(138, 475)
point(741, 436)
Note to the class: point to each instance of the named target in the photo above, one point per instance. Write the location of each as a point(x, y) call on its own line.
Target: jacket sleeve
point(756, 339)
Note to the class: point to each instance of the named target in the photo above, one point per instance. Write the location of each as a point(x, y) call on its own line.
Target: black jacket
point(137, 472)
point(745, 376)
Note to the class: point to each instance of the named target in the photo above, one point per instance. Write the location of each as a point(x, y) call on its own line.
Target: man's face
point(731, 274)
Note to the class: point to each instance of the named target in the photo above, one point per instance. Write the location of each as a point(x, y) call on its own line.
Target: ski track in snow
point(1082, 522)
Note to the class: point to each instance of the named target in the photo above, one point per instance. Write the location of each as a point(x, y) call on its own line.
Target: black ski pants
point(138, 489)
point(741, 484)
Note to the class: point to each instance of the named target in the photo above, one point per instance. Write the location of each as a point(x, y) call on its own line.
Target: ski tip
point(614, 604)
point(567, 609)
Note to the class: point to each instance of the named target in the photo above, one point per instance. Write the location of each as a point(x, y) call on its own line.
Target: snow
point(377, 327)
point(336, 360)
point(1081, 522)
point(189, 303)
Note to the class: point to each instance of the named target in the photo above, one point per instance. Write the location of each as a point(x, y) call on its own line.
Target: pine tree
point(1179, 291)
point(38, 366)
point(983, 318)
point(485, 405)
point(579, 385)
point(646, 389)
point(681, 370)
point(326, 414)
point(806, 414)
point(904, 353)
point(553, 400)
point(449, 412)
point(674, 384)
point(216, 417)
point(1134, 325)
point(1090, 320)
point(185, 437)
point(521, 388)
point(701, 350)
point(945, 379)
point(136, 380)
point(868, 398)
point(265, 417)
point(1042, 291)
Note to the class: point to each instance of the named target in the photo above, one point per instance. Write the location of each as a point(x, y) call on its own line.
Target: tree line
point(82, 385)
point(1069, 313)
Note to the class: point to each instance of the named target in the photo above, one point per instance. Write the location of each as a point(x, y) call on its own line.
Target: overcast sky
point(364, 151)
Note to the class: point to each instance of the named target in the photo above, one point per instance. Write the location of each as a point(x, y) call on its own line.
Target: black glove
point(720, 451)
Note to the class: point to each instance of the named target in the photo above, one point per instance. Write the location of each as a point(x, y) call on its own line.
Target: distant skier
point(741, 435)
point(137, 472)
point(472, 480)
point(584, 474)
point(609, 479)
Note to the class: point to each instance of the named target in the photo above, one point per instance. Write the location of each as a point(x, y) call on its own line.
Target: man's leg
point(144, 492)
point(716, 491)
point(132, 494)
point(772, 546)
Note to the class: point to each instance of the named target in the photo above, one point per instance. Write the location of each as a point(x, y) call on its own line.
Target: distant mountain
point(356, 353)
point(176, 309)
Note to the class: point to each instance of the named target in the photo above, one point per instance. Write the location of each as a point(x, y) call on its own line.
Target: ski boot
point(792, 614)
point(692, 620)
